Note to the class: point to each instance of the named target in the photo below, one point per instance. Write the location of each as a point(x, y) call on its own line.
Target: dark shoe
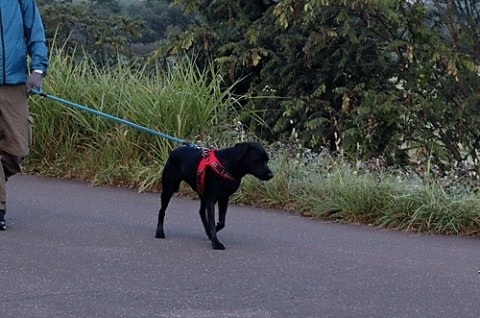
point(3, 225)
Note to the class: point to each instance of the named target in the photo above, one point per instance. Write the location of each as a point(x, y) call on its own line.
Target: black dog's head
point(252, 159)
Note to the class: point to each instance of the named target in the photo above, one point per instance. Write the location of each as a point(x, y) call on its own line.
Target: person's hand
point(35, 82)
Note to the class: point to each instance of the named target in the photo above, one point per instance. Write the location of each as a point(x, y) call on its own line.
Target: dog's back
point(181, 165)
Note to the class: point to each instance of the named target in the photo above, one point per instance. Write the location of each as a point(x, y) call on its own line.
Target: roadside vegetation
point(182, 102)
point(194, 104)
point(369, 109)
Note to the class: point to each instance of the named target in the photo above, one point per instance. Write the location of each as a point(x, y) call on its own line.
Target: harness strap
point(210, 160)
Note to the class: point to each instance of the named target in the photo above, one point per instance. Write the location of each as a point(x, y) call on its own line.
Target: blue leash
point(117, 119)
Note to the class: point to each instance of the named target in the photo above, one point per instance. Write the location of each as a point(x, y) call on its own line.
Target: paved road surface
point(73, 250)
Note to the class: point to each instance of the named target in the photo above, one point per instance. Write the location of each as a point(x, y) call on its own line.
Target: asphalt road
point(72, 250)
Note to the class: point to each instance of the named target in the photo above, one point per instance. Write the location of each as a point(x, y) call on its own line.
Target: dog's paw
point(218, 246)
point(160, 235)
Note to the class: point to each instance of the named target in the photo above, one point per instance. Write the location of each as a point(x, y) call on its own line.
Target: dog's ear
point(240, 150)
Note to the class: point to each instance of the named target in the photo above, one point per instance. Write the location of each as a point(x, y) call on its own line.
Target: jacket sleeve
point(34, 33)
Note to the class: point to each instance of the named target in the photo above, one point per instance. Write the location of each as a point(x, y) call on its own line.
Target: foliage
point(87, 25)
point(397, 79)
point(70, 142)
point(332, 188)
point(108, 29)
point(368, 79)
point(192, 104)
point(161, 17)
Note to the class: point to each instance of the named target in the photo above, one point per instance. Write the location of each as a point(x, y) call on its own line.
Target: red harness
point(210, 160)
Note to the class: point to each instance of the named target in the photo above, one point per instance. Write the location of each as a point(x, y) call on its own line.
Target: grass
point(195, 105)
point(336, 190)
point(74, 143)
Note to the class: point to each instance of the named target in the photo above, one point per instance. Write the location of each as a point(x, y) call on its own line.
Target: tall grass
point(182, 102)
point(327, 188)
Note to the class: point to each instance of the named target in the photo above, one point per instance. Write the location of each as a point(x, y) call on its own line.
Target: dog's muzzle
point(267, 176)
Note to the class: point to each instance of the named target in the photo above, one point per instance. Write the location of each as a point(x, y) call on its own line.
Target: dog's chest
point(210, 162)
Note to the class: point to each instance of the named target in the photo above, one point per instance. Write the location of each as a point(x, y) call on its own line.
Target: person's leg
point(3, 198)
point(11, 165)
point(15, 137)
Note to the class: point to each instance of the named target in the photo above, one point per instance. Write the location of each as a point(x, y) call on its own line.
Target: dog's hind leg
point(170, 185)
point(161, 213)
point(203, 216)
point(222, 212)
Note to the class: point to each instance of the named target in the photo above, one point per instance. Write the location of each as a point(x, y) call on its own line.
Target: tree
point(390, 78)
point(161, 18)
point(91, 26)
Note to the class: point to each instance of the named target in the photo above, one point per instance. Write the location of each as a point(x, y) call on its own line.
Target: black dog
point(215, 175)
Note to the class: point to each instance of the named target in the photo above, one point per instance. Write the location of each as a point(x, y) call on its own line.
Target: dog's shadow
point(185, 238)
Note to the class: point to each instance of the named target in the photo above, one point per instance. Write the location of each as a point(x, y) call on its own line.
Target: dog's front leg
point(160, 233)
point(210, 204)
point(222, 213)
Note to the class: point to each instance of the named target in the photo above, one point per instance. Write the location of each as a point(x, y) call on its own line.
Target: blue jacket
point(21, 35)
